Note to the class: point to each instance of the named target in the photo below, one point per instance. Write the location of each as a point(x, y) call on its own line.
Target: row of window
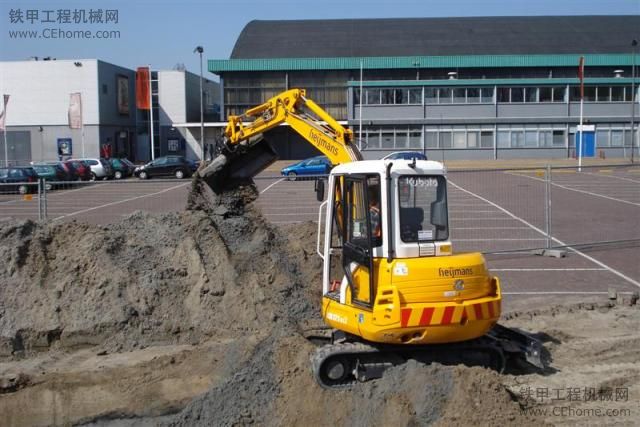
point(489, 95)
point(470, 137)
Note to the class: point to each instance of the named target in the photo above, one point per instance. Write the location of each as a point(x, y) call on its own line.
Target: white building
point(38, 110)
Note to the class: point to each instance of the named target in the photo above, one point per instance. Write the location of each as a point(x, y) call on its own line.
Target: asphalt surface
point(489, 211)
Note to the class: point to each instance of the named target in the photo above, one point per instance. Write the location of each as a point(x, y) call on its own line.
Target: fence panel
point(19, 200)
point(595, 205)
point(497, 210)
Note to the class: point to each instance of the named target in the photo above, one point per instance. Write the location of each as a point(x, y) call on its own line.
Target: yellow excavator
point(392, 287)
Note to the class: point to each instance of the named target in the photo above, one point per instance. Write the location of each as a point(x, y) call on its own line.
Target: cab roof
point(399, 167)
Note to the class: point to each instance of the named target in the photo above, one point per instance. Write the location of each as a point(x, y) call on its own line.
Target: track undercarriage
point(347, 359)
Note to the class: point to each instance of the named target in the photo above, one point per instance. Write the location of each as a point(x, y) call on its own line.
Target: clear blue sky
point(163, 33)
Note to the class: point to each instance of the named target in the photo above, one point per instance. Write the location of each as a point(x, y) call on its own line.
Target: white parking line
point(494, 239)
point(561, 243)
point(277, 182)
point(614, 177)
point(120, 201)
point(576, 190)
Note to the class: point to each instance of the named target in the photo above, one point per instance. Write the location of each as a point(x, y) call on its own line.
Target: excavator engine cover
point(238, 166)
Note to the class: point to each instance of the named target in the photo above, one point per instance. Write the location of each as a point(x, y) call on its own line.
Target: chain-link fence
point(530, 208)
point(496, 210)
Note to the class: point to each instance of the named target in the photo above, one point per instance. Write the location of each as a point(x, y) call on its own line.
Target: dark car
point(81, 170)
point(122, 168)
point(405, 155)
point(167, 166)
point(21, 176)
point(319, 165)
point(51, 173)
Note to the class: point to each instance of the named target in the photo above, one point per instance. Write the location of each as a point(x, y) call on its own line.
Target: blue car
point(405, 155)
point(319, 165)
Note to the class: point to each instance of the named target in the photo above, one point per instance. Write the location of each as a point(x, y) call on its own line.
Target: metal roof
point(428, 37)
point(387, 62)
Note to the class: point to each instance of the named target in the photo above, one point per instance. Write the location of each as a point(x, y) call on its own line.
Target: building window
point(459, 95)
point(559, 94)
point(445, 139)
point(431, 139)
point(531, 94)
point(602, 138)
point(415, 137)
point(617, 93)
point(617, 138)
point(431, 95)
point(105, 89)
point(486, 139)
point(546, 94)
point(504, 94)
point(517, 94)
point(531, 138)
point(446, 95)
point(415, 96)
point(503, 139)
point(373, 96)
point(603, 94)
point(558, 138)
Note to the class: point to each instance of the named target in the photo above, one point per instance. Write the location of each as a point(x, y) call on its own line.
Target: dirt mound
point(219, 270)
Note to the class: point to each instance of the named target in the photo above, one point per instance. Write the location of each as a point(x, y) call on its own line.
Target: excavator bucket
point(231, 168)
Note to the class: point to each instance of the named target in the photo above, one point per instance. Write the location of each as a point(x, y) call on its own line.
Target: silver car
point(100, 168)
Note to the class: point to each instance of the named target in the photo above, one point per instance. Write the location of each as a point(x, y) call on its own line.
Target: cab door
point(357, 259)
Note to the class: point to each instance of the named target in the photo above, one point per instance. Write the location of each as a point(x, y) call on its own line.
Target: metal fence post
point(44, 200)
point(40, 199)
point(547, 213)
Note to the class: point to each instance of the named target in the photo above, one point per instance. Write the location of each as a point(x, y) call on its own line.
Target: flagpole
point(6, 155)
point(580, 129)
point(3, 119)
point(581, 133)
point(153, 155)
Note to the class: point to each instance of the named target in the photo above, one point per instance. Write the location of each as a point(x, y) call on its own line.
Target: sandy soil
point(195, 318)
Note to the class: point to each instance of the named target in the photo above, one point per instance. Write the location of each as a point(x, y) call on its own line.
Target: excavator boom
point(243, 152)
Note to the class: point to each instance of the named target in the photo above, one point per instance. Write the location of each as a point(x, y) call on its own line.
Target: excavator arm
point(244, 153)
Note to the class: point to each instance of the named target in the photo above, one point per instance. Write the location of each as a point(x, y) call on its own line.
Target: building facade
point(38, 108)
point(455, 88)
point(38, 111)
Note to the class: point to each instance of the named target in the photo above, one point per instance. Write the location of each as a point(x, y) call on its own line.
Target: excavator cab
point(388, 258)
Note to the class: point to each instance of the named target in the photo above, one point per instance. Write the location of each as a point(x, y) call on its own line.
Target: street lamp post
point(200, 49)
point(634, 44)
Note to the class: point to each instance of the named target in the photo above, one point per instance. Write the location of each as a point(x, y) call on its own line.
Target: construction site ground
point(195, 317)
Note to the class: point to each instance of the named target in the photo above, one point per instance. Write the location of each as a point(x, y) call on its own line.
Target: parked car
point(20, 176)
point(100, 168)
point(167, 166)
point(405, 155)
point(51, 173)
point(81, 170)
point(319, 165)
point(121, 168)
point(63, 172)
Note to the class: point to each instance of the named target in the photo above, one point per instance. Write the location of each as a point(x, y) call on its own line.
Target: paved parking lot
point(489, 211)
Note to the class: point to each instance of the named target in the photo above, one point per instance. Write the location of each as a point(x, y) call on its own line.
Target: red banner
point(581, 76)
point(143, 96)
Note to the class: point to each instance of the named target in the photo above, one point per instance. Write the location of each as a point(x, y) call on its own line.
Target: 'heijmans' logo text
point(455, 272)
